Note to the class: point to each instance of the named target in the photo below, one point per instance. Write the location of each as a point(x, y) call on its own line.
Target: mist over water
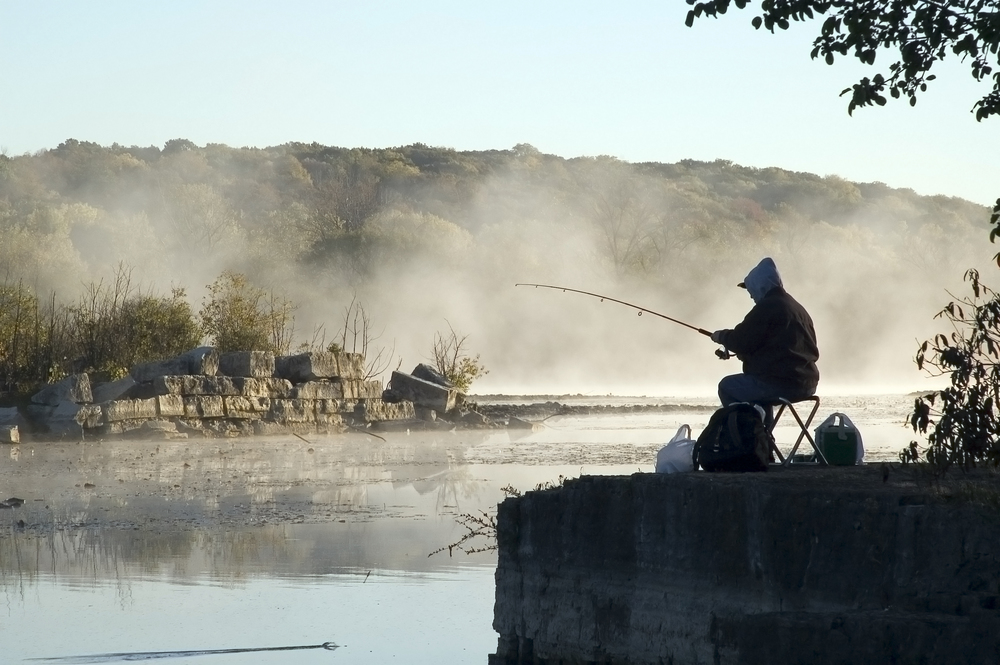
point(873, 267)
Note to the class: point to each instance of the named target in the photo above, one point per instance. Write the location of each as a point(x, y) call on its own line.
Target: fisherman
point(776, 342)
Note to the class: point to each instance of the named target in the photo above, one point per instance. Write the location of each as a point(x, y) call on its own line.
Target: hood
point(762, 279)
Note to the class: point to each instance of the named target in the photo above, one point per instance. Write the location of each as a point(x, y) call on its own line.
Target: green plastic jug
point(840, 441)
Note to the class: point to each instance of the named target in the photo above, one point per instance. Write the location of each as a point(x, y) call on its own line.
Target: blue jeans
point(747, 388)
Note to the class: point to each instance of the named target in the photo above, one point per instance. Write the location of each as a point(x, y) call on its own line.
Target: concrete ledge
point(790, 566)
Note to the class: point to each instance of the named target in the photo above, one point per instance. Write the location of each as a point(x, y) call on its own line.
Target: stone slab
point(10, 434)
point(335, 406)
point(204, 406)
point(314, 365)
point(422, 393)
point(293, 410)
point(322, 389)
point(104, 392)
point(330, 420)
point(303, 367)
point(351, 366)
point(273, 387)
point(428, 373)
point(247, 407)
point(10, 416)
point(256, 364)
point(74, 388)
point(203, 360)
point(376, 410)
point(121, 427)
point(128, 409)
point(169, 406)
point(194, 385)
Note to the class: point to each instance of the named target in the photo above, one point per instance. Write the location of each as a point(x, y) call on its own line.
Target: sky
point(626, 79)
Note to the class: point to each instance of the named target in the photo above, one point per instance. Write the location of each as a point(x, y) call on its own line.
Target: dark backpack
point(734, 440)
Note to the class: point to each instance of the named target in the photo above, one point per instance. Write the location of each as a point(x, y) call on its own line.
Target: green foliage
point(452, 360)
point(924, 33)
point(114, 326)
point(110, 328)
point(962, 421)
point(238, 316)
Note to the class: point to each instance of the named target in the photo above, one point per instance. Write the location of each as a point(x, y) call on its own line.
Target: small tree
point(453, 361)
point(962, 422)
point(238, 316)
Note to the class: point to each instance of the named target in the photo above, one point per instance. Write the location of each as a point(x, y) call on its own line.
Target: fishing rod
point(722, 354)
point(621, 302)
point(157, 655)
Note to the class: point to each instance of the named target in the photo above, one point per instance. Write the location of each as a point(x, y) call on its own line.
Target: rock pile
point(212, 394)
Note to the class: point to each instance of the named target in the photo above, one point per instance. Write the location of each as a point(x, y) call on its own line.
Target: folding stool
point(804, 432)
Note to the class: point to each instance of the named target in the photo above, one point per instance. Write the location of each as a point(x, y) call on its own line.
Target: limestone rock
point(247, 407)
point(69, 419)
point(160, 425)
point(74, 388)
point(274, 388)
point(428, 373)
point(194, 385)
point(257, 364)
point(293, 411)
point(11, 417)
point(366, 389)
point(203, 360)
point(332, 406)
point(423, 413)
point(169, 406)
point(375, 410)
point(129, 409)
point(123, 426)
point(319, 390)
point(314, 365)
point(304, 367)
point(103, 392)
point(338, 389)
point(350, 366)
point(422, 393)
point(204, 406)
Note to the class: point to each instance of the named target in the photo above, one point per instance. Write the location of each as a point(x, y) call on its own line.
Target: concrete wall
point(790, 566)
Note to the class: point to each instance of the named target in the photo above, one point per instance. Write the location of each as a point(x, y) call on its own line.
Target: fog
point(871, 280)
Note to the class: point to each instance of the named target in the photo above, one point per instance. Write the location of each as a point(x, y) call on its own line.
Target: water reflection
point(143, 546)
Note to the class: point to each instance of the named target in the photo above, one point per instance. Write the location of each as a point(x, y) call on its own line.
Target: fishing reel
point(723, 354)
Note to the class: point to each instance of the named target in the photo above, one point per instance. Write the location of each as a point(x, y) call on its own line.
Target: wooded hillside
point(322, 224)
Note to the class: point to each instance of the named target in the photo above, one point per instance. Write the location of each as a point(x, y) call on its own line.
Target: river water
point(140, 546)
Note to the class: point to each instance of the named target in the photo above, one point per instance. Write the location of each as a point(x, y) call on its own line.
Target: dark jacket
point(776, 342)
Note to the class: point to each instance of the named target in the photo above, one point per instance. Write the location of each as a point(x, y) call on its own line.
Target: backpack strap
point(734, 427)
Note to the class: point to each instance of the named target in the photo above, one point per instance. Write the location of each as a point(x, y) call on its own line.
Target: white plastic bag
point(676, 456)
point(839, 425)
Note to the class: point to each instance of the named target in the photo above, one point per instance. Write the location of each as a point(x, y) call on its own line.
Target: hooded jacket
point(776, 340)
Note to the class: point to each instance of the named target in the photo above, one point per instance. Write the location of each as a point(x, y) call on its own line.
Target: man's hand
point(717, 336)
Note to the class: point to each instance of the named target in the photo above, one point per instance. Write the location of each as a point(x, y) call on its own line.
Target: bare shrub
point(452, 359)
point(357, 335)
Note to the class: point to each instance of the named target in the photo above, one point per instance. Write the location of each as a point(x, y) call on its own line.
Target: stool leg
point(774, 444)
point(804, 434)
